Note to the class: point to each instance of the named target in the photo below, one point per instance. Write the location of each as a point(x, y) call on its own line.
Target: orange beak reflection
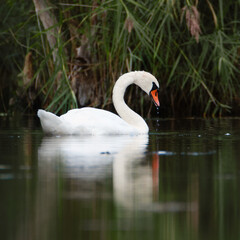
point(155, 97)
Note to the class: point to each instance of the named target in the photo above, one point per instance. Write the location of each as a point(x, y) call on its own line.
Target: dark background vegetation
point(60, 54)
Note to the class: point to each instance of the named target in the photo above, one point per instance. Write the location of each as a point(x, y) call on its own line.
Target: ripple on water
point(6, 176)
point(169, 153)
point(4, 167)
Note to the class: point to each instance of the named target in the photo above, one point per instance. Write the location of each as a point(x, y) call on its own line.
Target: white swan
point(92, 121)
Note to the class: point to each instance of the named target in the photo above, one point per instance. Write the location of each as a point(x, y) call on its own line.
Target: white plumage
point(93, 121)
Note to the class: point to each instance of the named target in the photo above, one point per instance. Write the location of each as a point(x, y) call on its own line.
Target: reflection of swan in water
point(85, 160)
point(132, 179)
point(91, 157)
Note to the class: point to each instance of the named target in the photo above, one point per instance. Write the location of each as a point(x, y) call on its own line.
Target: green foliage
point(15, 29)
point(192, 49)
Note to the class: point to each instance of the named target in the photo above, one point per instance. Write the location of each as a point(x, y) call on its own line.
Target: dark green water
point(181, 182)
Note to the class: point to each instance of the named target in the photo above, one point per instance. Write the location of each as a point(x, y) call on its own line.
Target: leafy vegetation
point(191, 47)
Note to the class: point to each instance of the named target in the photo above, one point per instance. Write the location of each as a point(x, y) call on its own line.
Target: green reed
point(191, 47)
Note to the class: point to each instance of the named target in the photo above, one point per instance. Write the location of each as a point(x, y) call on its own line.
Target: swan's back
point(84, 121)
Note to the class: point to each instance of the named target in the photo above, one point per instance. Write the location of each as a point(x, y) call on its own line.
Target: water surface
point(180, 182)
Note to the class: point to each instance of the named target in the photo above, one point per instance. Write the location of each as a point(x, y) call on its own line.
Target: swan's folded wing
point(95, 121)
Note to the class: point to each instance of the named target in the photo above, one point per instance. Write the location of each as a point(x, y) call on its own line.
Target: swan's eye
point(154, 86)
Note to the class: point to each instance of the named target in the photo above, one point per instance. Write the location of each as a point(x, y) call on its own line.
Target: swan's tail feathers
point(49, 121)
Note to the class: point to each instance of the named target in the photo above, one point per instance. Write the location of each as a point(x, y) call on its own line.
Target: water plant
point(191, 47)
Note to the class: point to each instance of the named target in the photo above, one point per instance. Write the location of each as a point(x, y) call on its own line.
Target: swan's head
point(149, 84)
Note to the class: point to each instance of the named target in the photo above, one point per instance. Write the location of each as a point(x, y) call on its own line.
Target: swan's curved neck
point(121, 107)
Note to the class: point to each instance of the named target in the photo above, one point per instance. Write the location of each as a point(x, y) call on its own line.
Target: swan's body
point(93, 121)
point(84, 121)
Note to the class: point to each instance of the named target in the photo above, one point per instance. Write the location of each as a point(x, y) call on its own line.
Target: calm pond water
point(180, 182)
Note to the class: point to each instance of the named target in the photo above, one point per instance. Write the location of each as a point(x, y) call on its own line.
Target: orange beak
point(155, 97)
